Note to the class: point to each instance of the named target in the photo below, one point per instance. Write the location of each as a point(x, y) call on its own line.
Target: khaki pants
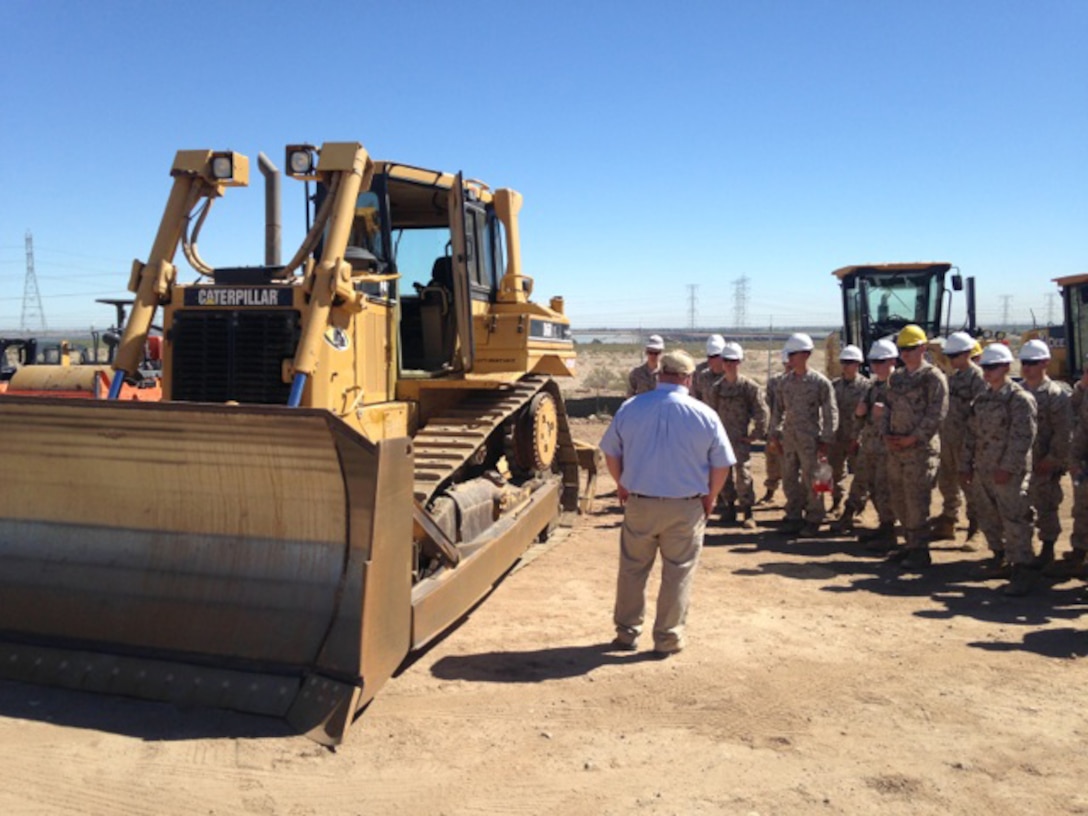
point(674, 527)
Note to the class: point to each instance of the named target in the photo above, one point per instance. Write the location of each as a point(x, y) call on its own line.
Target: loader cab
point(878, 300)
point(1075, 334)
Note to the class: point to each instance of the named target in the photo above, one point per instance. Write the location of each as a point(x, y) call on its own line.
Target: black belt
point(667, 498)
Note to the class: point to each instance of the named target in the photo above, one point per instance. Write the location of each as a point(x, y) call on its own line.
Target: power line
point(740, 302)
point(1005, 301)
point(32, 298)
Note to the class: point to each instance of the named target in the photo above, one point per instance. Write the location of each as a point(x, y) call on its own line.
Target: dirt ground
point(817, 680)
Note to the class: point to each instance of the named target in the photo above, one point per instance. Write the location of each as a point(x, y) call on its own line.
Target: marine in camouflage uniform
point(772, 455)
point(916, 403)
point(804, 422)
point(871, 477)
point(842, 455)
point(871, 466)
point(964, 385)
point(743, 411)
point(1050, 453)
point(708, 372)
point(997, 460)
point(641, 379)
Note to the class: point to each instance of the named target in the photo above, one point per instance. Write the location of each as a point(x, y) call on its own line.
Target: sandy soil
point(816, 681)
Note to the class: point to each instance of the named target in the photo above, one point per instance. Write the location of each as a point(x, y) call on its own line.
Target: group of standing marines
point(993, 446)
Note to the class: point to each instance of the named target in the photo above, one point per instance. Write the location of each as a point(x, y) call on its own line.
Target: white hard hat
point(883, 350)
point(850, 354)
point(958, 342)
point(995, 354)
point(799, 342)
point(732, 351)
point(714, 345)
point(655, 343)
point(1033, 350)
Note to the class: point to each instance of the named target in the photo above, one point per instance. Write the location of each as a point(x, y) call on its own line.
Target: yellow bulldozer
point(352, 448)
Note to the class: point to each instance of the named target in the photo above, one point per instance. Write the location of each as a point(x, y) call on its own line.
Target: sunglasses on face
point(994, 366)
point(1031, 362)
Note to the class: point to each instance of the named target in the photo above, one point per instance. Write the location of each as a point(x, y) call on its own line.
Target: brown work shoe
point(809, 530)
point(620, 645)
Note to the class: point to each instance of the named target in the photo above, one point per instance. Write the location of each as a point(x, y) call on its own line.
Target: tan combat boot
point(1071, 565)
point(943, 529)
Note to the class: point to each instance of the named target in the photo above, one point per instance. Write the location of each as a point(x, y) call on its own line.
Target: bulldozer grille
point(220, 355)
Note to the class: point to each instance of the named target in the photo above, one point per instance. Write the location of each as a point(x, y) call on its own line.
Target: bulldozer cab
point(440, 243)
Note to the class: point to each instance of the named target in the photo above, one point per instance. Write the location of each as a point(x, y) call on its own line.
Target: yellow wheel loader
point(352, 448)
point(880, 299)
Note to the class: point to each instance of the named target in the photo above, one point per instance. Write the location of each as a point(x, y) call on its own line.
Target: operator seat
point(436, 313)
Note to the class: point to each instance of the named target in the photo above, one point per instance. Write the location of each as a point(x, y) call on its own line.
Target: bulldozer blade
point(252, 558)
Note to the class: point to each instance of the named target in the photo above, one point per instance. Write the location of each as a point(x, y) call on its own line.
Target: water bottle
point(821, 482)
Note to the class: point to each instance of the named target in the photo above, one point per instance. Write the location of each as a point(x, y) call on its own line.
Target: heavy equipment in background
point(352, 448)
point(1068, 341)
point(36, 367)
point(880, 299)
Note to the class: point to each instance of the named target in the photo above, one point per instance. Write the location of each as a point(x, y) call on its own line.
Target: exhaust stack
point(273, 221)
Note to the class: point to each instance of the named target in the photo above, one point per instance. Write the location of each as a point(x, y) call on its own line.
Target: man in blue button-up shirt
point(670, 457)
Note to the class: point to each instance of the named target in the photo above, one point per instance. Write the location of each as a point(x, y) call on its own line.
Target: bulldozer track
point(448, 441)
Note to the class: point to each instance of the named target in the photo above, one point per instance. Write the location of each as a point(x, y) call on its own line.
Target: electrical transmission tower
point(1050, 308)
point(693, 290)
point(740, 302)
point(1005, 301)
point(32, 299)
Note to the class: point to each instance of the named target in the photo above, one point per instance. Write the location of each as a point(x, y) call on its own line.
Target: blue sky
point(657, 145)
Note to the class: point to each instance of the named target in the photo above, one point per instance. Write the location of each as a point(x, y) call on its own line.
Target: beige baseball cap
point(677, 362)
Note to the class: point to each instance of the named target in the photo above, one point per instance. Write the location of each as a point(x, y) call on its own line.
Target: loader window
point(895, 300)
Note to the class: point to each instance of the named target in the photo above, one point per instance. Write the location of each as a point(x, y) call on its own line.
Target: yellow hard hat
point(911, 336)
point(977, 350)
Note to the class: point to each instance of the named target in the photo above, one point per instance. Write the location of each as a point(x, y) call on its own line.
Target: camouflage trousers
point(871, 481)
point(799, 459)
point(912, 473)
point(841, 461)
point(1004, 514)
point(774, 469)
point(1045, 497)
point(1079, 538)
point(738, 487)
point(948, 482)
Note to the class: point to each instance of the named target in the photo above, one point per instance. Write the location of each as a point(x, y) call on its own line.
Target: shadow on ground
point(955, 582)
point(534, 666)
point(141, 719)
